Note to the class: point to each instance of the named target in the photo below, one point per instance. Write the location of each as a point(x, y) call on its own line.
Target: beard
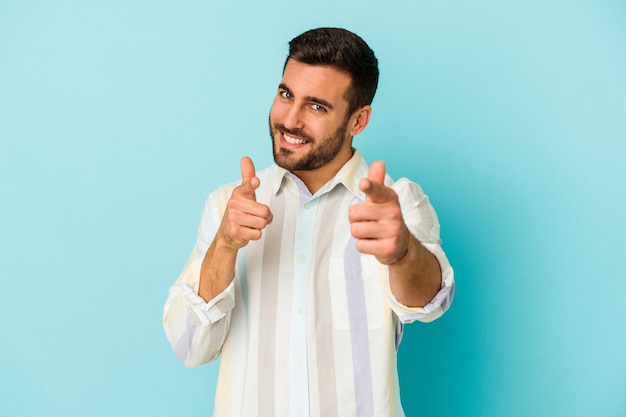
point(322, 152)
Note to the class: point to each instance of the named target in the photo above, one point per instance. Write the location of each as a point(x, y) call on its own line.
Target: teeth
point(293, 141)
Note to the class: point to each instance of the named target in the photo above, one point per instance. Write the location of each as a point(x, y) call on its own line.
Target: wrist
point(407, 250)
point(225, 242)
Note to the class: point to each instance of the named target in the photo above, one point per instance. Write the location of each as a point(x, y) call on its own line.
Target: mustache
point(293, 132)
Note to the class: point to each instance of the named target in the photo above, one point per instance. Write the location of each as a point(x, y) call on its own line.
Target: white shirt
point(308, 326)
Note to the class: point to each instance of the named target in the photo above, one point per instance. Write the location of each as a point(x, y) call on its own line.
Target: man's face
point(309, 120)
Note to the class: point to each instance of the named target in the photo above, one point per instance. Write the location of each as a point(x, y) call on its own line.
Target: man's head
point(323, 101)
point(344, 51)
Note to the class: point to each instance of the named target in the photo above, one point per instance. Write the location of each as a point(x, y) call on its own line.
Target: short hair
point(344, 51)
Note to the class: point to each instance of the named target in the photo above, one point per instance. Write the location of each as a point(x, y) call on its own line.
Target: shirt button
point(302, 257)
point(299, 363)
point(307, 205)
point(299, 310)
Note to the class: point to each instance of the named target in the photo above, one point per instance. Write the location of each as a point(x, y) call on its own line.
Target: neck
point(316, 178)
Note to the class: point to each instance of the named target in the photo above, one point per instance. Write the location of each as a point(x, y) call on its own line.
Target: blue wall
point(117, 118)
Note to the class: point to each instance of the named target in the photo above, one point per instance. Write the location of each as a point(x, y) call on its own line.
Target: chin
point(283, 160)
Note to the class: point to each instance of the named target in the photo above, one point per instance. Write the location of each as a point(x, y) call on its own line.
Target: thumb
point(249, 181)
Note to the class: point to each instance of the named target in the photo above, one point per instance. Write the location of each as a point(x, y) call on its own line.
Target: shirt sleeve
point(422, 221)
point(197, 329)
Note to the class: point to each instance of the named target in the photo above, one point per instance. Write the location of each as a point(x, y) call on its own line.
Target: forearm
point(218, 269)
point(416, 278)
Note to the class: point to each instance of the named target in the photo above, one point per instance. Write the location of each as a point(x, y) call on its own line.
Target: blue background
point(117, 118)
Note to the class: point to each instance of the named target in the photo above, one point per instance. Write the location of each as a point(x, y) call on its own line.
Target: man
point(304, 274)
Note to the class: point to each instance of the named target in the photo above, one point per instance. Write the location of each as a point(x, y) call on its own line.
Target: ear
point(359, 120)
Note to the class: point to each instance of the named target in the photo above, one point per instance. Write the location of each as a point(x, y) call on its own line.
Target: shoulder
point(405, 186)
point(268, 176)
point(410, 194)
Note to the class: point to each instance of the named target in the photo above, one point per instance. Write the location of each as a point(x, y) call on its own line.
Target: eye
point(318, 107)
point(285, 94)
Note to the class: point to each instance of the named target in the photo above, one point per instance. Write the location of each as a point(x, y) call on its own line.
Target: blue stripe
point(357, 312)
point(183, 346)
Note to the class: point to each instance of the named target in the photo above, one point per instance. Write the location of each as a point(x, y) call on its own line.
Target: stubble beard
point(317, 157)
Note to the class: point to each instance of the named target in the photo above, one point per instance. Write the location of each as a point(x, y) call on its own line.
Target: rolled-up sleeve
point(197, 329)
point(422, 221)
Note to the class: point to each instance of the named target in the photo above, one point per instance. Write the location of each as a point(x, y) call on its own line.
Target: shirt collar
point(277, 177)
point(349, 176)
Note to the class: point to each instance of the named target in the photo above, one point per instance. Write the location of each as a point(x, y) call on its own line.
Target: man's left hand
point(377, 223)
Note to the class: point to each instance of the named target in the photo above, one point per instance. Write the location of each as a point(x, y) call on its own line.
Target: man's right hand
point(245, 218)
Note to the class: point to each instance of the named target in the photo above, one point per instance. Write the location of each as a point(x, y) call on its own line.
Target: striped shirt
point(308, 326)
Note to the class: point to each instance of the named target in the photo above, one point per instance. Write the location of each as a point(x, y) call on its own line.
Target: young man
point(304, 273)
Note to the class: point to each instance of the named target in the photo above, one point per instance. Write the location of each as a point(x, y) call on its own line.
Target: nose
point(293, 117)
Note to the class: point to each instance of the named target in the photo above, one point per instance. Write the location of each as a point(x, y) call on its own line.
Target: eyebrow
point(309, 98)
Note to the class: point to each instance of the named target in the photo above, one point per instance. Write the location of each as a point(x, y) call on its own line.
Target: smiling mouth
point(292, 140)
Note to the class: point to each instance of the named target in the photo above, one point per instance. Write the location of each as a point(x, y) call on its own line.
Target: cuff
point(430, 312)
point(439, 303)
point(212, 311)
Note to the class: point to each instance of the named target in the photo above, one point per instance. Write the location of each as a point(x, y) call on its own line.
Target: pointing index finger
point(374, 185)
point(247, 168)
point(377, 172)
point(249, 181)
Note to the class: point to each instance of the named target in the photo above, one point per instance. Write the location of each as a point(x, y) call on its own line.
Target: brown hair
point(345, 51)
